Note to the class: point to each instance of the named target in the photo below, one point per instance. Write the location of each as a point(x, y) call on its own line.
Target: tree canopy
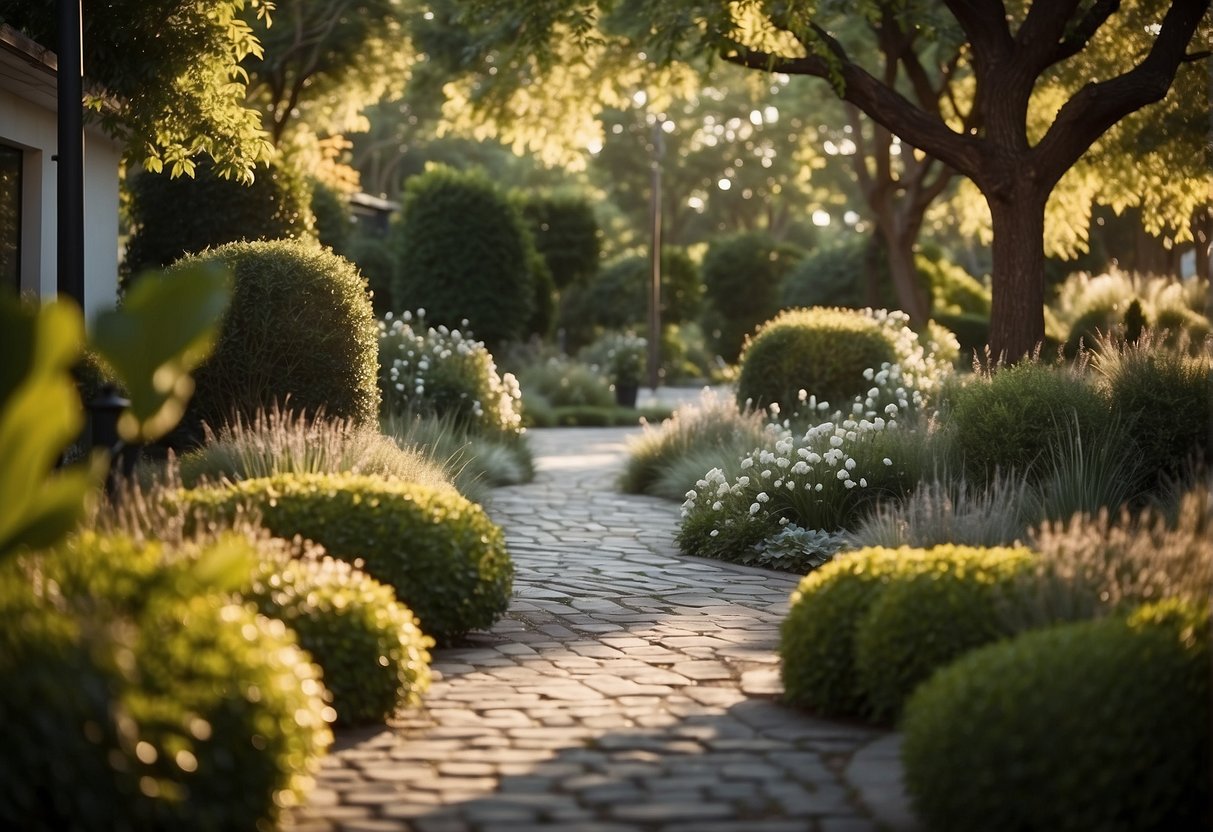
point(1047, 81)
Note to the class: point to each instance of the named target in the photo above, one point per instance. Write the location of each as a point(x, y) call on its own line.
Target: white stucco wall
point(30, 126)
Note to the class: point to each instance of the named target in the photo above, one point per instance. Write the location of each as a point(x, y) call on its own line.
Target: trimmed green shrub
point(562, 382)
point(374, 656)
point(566, 235)
point(465, 254)
point(819, 642)
point(441, 554)
point(436, 371)
point(334, 219)
point(377, 260)
point(135, 696)
point(172, 217)
point(853, 273)
point(298, 334)
point(1095, 725)
point(822, 351)
point(742, 280)
point(1008, 420)
point(926, 618)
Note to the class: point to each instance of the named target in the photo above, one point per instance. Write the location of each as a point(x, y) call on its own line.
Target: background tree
point(1123, 57)
point(170, 69)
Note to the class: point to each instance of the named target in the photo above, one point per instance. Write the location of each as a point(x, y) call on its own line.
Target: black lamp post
point(70, 157)
point(655, 256)
point(103, 414)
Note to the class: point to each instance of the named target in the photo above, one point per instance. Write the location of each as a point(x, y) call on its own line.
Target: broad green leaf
point(36, 341)
point(165, 328)
point(36, 423)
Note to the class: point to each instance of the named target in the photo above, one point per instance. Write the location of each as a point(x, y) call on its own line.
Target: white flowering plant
point(621, 355)
point(428, 370)
point(820, 479)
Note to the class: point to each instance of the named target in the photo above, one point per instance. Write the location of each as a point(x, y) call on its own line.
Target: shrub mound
point(823, 351)
point(374, 656)
point(742, 278)
point(465, 253)
point(441, 554)
point(172, 217)
point(299, 334)
point(134, 699)
point(830, 609)
point(1096, 725)
point(929, 614)
point(566, 234)
point(851, 274)
point(1009, 420)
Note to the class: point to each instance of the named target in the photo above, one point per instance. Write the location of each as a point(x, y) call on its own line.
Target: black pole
point(71, 152)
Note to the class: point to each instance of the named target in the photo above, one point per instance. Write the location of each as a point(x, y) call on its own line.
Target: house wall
point(33, 128)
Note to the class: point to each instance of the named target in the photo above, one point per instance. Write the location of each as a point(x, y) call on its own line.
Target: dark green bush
point(374, 656)
point(441, 554)
point(134, 698)
point(172, 217)
point(823, 351)
point(566, 234)
point(1164, 402)
point(562, 382)
point(853, 274)
point(465, 253)
point(1008, 420)
point(925, 619)
point(742, 281)
point(617, 298)
point(299, 333)
point(376, 258)
point(1097, 725)
point(334, 219)
point(972, 331)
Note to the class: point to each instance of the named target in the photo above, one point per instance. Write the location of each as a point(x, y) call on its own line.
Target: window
point(10, 217)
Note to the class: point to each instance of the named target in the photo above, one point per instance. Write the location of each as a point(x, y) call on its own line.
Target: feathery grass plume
point(712, 428)
point(1080, 474)
point(945, 510)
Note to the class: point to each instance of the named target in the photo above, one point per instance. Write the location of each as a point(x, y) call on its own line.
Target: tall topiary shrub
point(851, 273)
point(742, 281)
point(566, 234)
point(465, 253)
point(299, 333)
point(172, 217)
point(822, 350)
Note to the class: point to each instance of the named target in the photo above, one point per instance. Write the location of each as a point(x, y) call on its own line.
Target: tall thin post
point(71, 152)
point(655, 258)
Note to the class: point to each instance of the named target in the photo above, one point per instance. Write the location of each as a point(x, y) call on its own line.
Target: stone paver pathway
point(627, 690)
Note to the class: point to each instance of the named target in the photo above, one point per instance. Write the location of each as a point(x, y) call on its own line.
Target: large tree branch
point(1042, 30)
point(1098, 106)
point(882, 104)
point(985, 25)
point(1082, 33)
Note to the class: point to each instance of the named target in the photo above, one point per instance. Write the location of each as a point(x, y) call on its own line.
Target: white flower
point(714, 533)
point(887, 461)
point(762, 497)
point(818, 487)
point(844, 474)
point(754, 507)
point(863, 483)
point(748, 462)
point(849, 464)
point(849, 484)
point(691, 495)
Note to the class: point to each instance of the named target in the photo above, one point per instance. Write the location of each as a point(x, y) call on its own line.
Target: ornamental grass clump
point(445, 372)
point(822, 478)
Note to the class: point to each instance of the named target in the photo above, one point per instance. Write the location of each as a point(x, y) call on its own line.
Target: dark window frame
point(13, 279)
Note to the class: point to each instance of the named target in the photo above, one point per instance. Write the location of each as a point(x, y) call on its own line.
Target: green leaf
point(35, 341)
point(165, 328)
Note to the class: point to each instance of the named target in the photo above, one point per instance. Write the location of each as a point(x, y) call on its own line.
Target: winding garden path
point(627, 689)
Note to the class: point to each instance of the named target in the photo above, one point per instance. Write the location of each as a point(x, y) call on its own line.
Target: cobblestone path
point(627, 690)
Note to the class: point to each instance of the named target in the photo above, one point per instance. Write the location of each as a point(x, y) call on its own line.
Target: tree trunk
point(912, 293)
point(1017, 323)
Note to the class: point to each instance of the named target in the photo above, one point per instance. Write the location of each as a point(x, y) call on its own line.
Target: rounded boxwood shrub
point(465, 253)
point(924, 619)
point(742, 280)
point(299, 333)
point(374, 656)
point(823, 351)
point(135, 695)
point(172, 217)
point(441, 554)
point(1096, 725)
point(566, 234)
point(1008, 420)
point(819, 638)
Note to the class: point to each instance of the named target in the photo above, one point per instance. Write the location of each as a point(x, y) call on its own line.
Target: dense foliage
point(742, 279)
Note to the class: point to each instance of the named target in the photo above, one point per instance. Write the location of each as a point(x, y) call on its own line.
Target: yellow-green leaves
point(39, 415)
point(165, 328)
